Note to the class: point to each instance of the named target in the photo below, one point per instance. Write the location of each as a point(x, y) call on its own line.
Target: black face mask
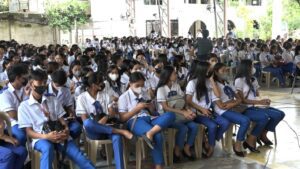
point(158, 70)
point(24, 83)
point(40, 89)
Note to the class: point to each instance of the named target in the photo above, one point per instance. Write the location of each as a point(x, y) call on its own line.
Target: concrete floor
point(286, 155)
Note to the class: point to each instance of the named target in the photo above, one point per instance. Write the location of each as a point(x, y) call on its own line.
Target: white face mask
point(137, 90)
point(113, 77)
point(253, 71)
point(77, 73)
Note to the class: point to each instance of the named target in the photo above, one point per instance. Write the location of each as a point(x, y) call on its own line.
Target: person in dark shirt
point(204, 46)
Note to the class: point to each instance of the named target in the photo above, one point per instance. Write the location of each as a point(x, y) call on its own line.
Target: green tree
point(291, 13)
point(265, 31)
point(67, 15)
point(4, 5)
point(244, 13)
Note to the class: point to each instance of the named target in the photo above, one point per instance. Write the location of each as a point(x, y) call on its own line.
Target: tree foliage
point(4, 5)
point(291, 13)
point(63, 15)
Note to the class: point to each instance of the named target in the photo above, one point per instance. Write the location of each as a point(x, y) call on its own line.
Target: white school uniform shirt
point(183, 73)
point(31, 113)
point(163, 94)
point(297, 59)
point(124, 80)
point(128, 101)
point(3, 76)
point(9, 100)
point(191, 90)
point(223, 97)
point(241, 85)
point(153, 81)
point(265, 59)
point(85, 103)
point(63, 95)
point(287, 56)
point(66, 68)
point(71, 59)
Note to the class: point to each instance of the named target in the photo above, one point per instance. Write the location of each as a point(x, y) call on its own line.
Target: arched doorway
point(197, 27)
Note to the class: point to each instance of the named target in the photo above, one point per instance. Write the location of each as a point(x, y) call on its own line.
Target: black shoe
point(239, 153)
point(148, 141)
point(252, 149)
point(267, 143)
point(191, 158)
point(259, 141)
point(176, 159)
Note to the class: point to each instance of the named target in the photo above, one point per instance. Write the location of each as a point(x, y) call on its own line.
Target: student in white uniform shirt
point(134, 66)
point(12, 96)
point(35, 112)
point(58, 89)
point(199, 97)
point(135, 109)
point(93, 108)
point(74, 75)
point(288, 58)
point(266, 119)
point(86, 71)
point(154, 78)
point(297, 57)
point(166, 89)
point(226, 102)
point(113, 80)
point(3, 75)
point(61, 60)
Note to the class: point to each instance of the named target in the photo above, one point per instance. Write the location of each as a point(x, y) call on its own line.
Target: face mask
point(175, 45)
point(77, 73)
point(113, 77)
point(223, 76)
point(24, 83)
point(137, 90)
point(253, 71)
point(40, 89)
point(158, 70)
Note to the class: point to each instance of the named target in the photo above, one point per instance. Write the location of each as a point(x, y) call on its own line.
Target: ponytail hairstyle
point(93, 78)
point(165, 76)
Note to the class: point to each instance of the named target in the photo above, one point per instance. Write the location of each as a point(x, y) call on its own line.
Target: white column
point(276, 20)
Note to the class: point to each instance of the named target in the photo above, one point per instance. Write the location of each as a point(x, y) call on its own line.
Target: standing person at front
point(134, 109)
point(37, 111)
point(203, 46)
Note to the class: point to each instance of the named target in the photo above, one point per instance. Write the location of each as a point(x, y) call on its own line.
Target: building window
point(152, 25)
point(153, 2)
point(174, 27)
point(253, 2)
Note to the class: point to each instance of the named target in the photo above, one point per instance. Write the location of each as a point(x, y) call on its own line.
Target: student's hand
point(53, 136)
point(188, 114)
point(206, 112)
point(265, 102)
point(141, 106)
point(10, 140)
point(27, 90)
point(103, 120)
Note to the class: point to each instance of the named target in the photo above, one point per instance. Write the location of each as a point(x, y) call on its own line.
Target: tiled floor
point(286, 155)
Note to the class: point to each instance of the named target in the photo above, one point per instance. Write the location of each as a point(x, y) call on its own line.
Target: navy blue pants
point(216, 127)
point(185, 130)
point(46, 148)
point(275, 116)
point(277, 72)
point(240, 119)
point(288, 68)
point(144, 124)
point(260, 118)
point(96, 131)
point(12, 157)
point(75, 129)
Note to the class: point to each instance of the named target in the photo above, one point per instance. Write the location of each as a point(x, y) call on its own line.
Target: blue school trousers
point(277, 72)
point(75, 129)
point(12, 157)
point(96, 131)
point(47, 149)
point(144, 124)
point(240, 119)
point(216, 127)
point(19, 134)
point(260, 118)
point(275, 116)
point(185, 131)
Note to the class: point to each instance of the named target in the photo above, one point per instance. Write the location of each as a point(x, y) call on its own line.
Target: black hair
point(297, 50)
point(133, 63)
point(115, 57)
point(84, 60)
point(136, 76)
point(73, 64)
point(38, 75)
point(216, 69)
point(16, 70)
point(200, 73)
point(205, 33)
point(244, 71)
point(59, 77)
point(163, 58)
point(93, 78)
point(165, 76)
point(6, 61)
point(51, 67)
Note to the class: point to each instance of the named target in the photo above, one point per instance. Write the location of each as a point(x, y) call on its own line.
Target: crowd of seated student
point(135, 81)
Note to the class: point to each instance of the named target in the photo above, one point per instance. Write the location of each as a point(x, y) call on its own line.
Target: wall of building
point(26, 32)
